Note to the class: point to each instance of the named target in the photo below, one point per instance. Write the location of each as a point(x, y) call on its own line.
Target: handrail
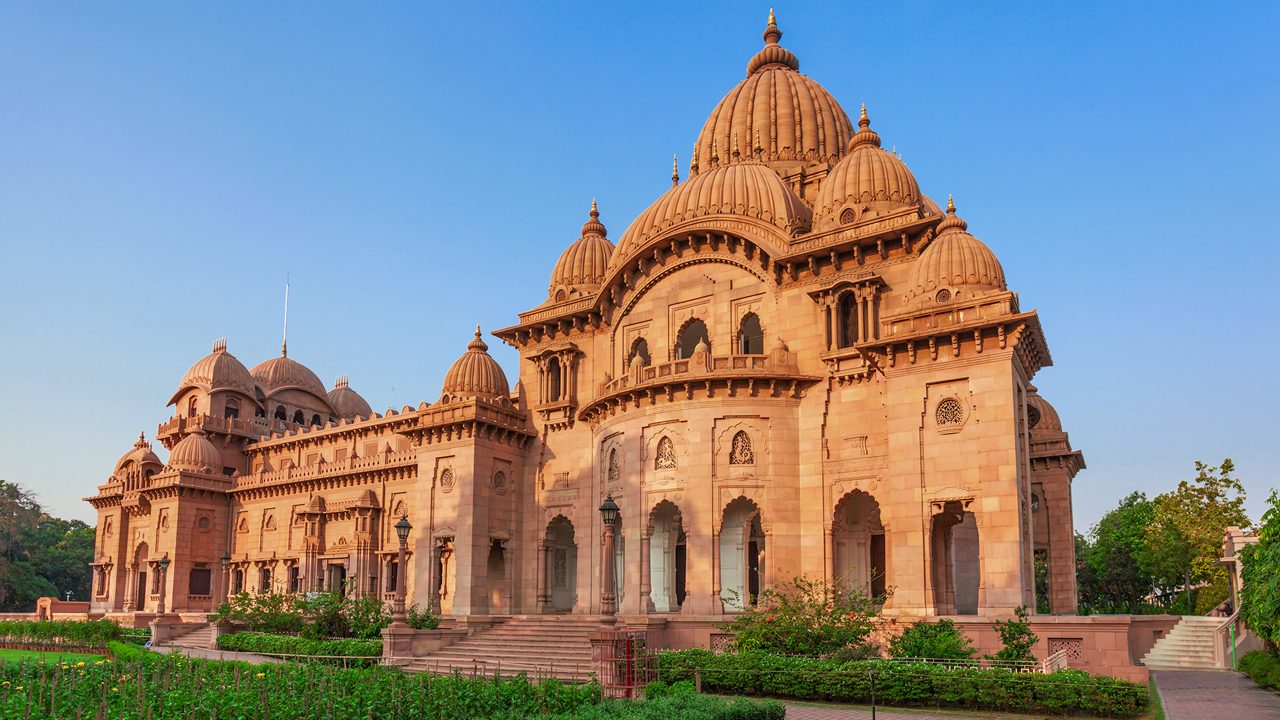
point(1222, 635)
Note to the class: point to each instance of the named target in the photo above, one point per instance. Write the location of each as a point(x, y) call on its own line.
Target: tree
point(1260, 578)
point(1185, 536)
point(1111, 564)
point(1016, 638)
point(40, 555)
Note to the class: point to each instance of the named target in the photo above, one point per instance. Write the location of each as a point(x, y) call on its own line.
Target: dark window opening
point(639, 349)
point(691, 334)
point(848, 319)
point(315, 420)
point(200, 582)
point(264, 581)
point(299, 418)
point(231, 410)
point(751, 336)
point(295, 579)
point(237, 581)
point(553, 378)
point(281, 414)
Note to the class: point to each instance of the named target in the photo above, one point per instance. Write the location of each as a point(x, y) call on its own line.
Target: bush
point(942, 639)
point(805, 617)
point(689, 706)
point(906, 684)
point(263, 644)
point(59, 633)
point(420, 619)
point(128, 652)
point(1260, 576)
point(1017, 638)
point(1262, 668)
point(316, 616)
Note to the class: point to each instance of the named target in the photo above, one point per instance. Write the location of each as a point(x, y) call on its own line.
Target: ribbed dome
point(746, 189)
point(139, 454)
point(195, 453)
point(281, 372)
point(868, 174)
point(475, 374)
point(956, 262)
point(348, 403)
point(219, 370)
point(789, 115)
point(1041, 417)
point(582, 266)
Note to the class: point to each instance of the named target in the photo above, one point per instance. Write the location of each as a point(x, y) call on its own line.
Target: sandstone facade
point(794, 361)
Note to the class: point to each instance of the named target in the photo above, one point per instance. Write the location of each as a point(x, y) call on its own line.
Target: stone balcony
point(249, 427)
point(776, 374)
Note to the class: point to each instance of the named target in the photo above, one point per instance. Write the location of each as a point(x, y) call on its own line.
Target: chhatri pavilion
point(793, 362)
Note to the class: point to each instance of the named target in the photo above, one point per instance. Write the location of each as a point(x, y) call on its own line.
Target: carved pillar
point(646, 585)
point(544, 577)
point(509, 578)
point(608, 595)
point(130, 577)
point(717, 604)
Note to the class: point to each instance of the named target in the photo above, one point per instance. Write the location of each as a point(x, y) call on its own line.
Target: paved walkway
point(849, 712)
point(1200, 694)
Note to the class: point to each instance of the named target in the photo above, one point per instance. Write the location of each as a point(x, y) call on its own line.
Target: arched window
point(264, 581)
point(691, 334)
point(750, 335)
point(231, 409)
point(281, 413)
point(741, 452)
point(298, 417)
point(192, 408)
point(666, 459)
point(639, 349)
point(259, 411)
point(560, 297)
point(848, 319)
point(553, 379)
point(316, 421)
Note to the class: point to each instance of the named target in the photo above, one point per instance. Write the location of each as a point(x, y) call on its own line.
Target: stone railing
point(249, 427)
point(338, 467)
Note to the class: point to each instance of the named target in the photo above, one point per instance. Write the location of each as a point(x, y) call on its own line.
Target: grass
point(1157, 705)
point(8, 656)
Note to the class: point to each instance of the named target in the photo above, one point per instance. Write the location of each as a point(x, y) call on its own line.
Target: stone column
point(544, 577)
point(130, 577)
point(717, 605)
point(608, 598)
point(508, 579)
point(646, 584)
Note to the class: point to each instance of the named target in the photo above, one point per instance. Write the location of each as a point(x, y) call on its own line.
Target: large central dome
point(787, 114)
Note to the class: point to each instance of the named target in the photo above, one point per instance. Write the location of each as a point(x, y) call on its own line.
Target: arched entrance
point(956, 564)
point(858, 545)
point(496, 577)
point(742, 554)
point(666, 558)
point(140, 577)
point(561, 565)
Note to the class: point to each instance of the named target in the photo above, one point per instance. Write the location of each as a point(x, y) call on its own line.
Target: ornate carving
point(615, 471)
point(741, 452)
point(949, 413)
point(447, 480)
point(666, 459)
point(500, 483)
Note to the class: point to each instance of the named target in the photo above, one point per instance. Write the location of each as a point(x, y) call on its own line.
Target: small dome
point(475, 374)
point(868, 174)
point(316, 504)
point(793, 117)
point(956, 265)
point(281, 373)
point(219, 370)
point(582, 266)
point(140, 454)
point(1041, 417)
point(196, 454)
point(747, 189)
point(346, 402)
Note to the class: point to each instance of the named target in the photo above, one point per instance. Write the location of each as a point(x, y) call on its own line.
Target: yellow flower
point(6, 682)
point(80, 664)
point(18, 687)
point(115, 689)
point(260, 675)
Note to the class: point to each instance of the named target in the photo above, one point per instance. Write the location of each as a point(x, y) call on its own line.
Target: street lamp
point(164, 572)
point(226, 573)
point(608, 599)
point(402, 531)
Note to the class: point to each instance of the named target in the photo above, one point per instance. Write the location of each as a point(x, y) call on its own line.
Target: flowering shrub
point(806, 617)
point(316, 616)
point(937, 640)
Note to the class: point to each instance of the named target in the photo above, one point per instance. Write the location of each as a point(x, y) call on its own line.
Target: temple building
point(792, 362)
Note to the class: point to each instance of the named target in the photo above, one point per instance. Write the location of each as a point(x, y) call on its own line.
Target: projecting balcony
point(249, 427)
point(776, 374)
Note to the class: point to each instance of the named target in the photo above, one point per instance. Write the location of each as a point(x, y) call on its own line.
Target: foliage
point(59, 633)
point(316, 616)
point(1016, 637)
point(939, 640)
point(1185, 536)
point(906, 684)
point(1041, 575)
point(1260, 577)
point(421, 619)
point(1112, 564)
point(170, 687)
point(270, 612)
point(805, 617)
point(1263, 668)
point(290, 645)
point(40, 555)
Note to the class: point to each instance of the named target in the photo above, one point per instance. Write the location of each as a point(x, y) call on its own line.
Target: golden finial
point(693, 164)
point(734, 149)
point(758, 149)
point(715, 150)
point(478, 334)
point(951, 205)
point(772, 19)
point(675, 170)
point(771, 32)
point(595, 212)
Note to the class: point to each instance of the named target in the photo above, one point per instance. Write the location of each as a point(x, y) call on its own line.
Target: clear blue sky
point(419, 169)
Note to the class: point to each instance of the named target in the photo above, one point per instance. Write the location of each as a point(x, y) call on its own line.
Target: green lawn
point(7, 656)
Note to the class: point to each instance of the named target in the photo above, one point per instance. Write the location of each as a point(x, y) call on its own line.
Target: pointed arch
point(750, 335)
point(665, 458)
point(742, 553)
point(665, 541)
point(693, 331)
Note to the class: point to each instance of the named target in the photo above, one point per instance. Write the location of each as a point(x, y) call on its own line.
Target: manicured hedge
point(290, 645)
point(59, 633)
point(1262, 668)
point(906, 684)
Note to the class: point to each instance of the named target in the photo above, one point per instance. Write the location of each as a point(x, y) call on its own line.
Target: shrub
point(906, 684)
point(805, 617)
point(128, 651)
point(942, 639)
point(59, 633)
point(420, 619)
point(290, 645)
point(1260, 575)
point(1261, 667)
point(1017, 638)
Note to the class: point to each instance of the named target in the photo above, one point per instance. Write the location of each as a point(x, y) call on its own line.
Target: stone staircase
point(1188, 646)
point(540, 646)
point(200, 637)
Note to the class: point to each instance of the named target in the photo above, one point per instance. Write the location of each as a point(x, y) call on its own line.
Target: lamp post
point(608, 599)
point(226, 574)
point(402, 531)
point(163, 564)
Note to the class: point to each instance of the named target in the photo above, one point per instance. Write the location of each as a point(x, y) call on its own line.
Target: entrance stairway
point(541, 646)
point(200, 637)
point(1188, 646)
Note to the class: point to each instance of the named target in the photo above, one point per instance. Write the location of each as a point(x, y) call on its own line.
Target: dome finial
point(595, 213)
point(771, 32)
point(675, 170)
point(478, 334)
point(951, 204)
point(735, 145)
point(758, 150)
point(715, 152)
point(952, 221)
point(693, 164)
point(593, 226)
point(142, 440)
point(772, 53)
point(863, 120)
